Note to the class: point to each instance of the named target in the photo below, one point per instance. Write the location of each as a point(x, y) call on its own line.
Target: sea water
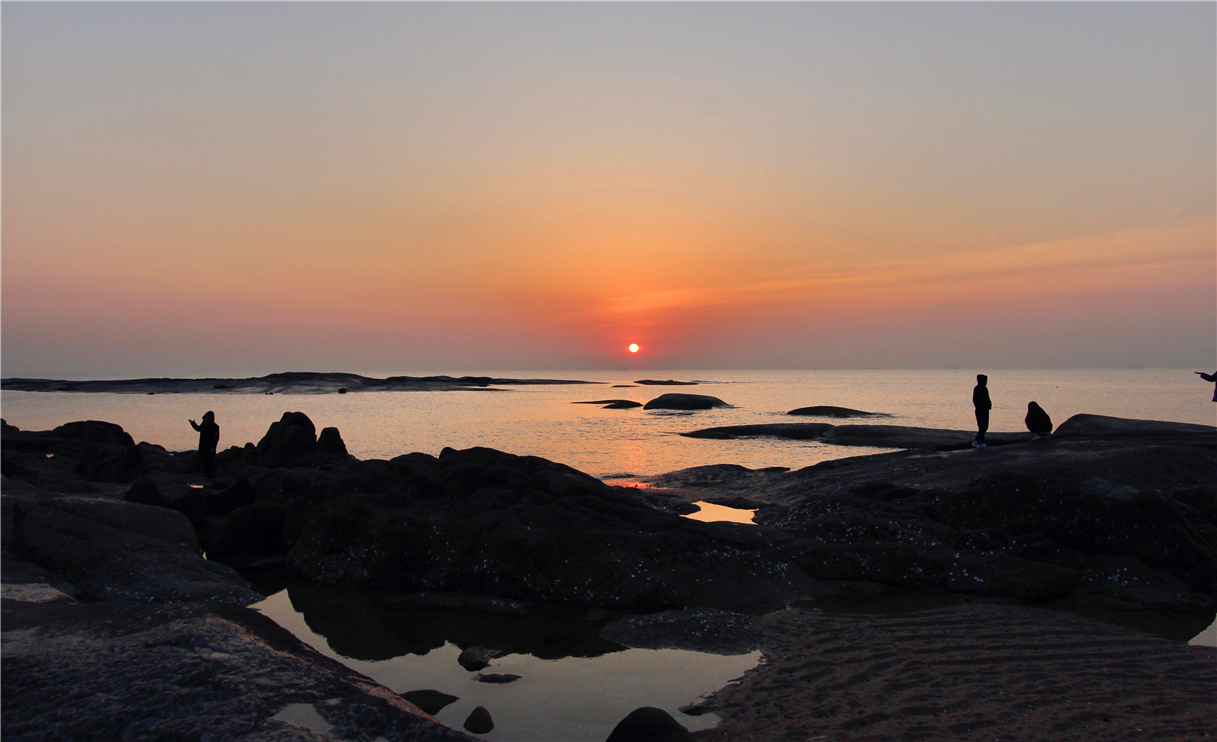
point(546, 421)
point(582, 697)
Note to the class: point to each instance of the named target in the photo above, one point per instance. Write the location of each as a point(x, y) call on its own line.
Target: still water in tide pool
point(547, 421)
point(572, 686)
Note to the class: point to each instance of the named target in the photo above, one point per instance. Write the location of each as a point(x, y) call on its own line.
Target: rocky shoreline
point(292, 382)
point(103, 541)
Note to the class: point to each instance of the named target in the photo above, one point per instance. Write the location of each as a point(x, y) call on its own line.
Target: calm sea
point(544, 421)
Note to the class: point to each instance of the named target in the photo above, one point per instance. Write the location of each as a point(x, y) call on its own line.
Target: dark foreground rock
point(1122, 518)
point(178, 671)
point(698, 630)
point(526, 528)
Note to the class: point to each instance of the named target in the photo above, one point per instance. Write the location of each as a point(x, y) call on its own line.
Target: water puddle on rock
point(711, 513)
point(573, 684)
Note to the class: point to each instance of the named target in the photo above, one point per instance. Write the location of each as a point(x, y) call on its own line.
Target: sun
point(633, 347)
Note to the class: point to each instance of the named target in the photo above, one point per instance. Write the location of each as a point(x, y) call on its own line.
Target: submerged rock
point(476, 658)
point(429, 701)
point(479, 721)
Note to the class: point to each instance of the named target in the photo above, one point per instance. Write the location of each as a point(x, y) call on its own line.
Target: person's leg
point(982, 425)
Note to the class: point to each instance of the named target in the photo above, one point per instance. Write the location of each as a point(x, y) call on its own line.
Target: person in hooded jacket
point(1037, 421)
point(982, 403)
point(209, 438)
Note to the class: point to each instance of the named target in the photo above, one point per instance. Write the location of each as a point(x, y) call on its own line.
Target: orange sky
point(246, 188)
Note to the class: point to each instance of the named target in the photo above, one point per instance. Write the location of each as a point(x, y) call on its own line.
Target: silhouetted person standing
point(980, 400)
point(1037, 421)
point(209, 438)
point(1212, 378)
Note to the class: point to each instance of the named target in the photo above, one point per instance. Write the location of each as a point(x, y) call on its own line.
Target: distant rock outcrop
point(614, 404)
point(828, 411)
point(684, 402)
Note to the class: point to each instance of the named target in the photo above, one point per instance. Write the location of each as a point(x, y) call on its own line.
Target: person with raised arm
point(209, 438)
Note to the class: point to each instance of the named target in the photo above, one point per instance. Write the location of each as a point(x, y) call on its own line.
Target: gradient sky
point(197, 189)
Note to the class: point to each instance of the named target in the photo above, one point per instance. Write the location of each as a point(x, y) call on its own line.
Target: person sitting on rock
point(209, 437)
point(1210, 377)
point(1038, 421)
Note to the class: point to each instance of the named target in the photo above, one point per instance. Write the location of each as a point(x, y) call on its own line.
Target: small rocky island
point(114, 624)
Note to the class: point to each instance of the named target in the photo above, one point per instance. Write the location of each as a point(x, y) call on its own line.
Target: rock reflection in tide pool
point(574, 685)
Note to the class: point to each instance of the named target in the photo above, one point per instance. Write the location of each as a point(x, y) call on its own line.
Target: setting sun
point(633, 347)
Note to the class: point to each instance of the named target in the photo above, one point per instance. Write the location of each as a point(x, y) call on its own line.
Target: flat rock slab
point(122, 552)
point(876, 436)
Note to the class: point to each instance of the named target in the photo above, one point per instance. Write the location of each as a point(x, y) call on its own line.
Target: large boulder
point(484, 521)
point(123, 552)
point(291, 441)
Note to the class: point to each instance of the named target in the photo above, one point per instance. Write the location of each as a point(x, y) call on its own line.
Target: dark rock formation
point(1106, 520)
point(522, 527)
point(479, 721)
point(829, 411)
point(497, 678)
point(122, 552)
point(476, 658)
point(145, 492)
point(669, 382)
point(330, 442)
point(649, 725)
point(429, 701)
point(111, 671)
point(292, 441)
point(698, 630)
point(254, 528)
point(684, 402)
point(614, 404)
